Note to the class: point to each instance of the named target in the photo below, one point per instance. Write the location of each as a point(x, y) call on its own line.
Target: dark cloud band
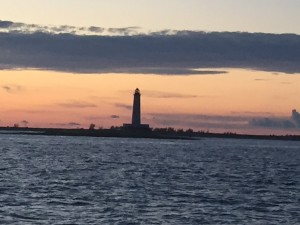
point(165, 52)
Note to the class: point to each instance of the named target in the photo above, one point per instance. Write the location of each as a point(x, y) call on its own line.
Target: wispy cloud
point(175, 70)
point(252, 114)
point(162, 94)
point(296, 117)
point(13, 27)
point(96, 29)
point(234, 121)
point(124, 106)
point(12, 88)
point(125, 50)
point(70, 124)
point(260, 79)
point(77, 104)
point(200, 121)
point(24, 122)
point(16, 27)
point(124, 30)
point(93, 118)
point(5, 24)
point(273, 122)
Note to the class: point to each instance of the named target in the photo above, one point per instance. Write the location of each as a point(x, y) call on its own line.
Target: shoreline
point(136, 133)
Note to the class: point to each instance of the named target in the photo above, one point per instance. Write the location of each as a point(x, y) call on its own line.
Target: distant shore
point(157, 133)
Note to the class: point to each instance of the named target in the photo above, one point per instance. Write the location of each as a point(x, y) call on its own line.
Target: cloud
point(12, 88)
point(96, 29)
point(70, 124)
point(124, 106)
point(114, 116)
point(296, 117)
point(73, 124)
point(76, 104)
point(12, 27)
point(164, 71)
point(165, 32)
point(272, 122)
point(161, 94)
point(244, 120)
point(124, 30)
point(24, 122)
point(5, 24)
point(199, 121)
point(93, 118)
point(125, 50)
point(250, 114)
point(259, 79)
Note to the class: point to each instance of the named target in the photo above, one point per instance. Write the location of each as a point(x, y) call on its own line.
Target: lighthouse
point(136, 114)
point(136, 110)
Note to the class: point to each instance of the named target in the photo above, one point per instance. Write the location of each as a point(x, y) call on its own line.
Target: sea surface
point(83, 180)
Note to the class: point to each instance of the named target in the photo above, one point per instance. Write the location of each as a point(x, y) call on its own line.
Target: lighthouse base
point(128, 126)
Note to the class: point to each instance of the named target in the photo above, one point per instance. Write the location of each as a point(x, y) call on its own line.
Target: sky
point(269, 16)
point(222, 66)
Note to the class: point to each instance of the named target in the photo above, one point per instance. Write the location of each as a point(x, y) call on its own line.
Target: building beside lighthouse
point(136, 113)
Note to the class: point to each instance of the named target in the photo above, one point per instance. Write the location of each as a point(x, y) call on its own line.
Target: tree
point(92, 126)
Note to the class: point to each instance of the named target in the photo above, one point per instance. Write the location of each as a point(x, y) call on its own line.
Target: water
point(67, 180)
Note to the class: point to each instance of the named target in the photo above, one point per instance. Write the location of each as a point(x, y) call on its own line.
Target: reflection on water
point(65, 180)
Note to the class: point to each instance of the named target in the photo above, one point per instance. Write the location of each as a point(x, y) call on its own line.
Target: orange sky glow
point(56, 99)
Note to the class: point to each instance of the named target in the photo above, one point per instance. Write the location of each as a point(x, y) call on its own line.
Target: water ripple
point(65, 180)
